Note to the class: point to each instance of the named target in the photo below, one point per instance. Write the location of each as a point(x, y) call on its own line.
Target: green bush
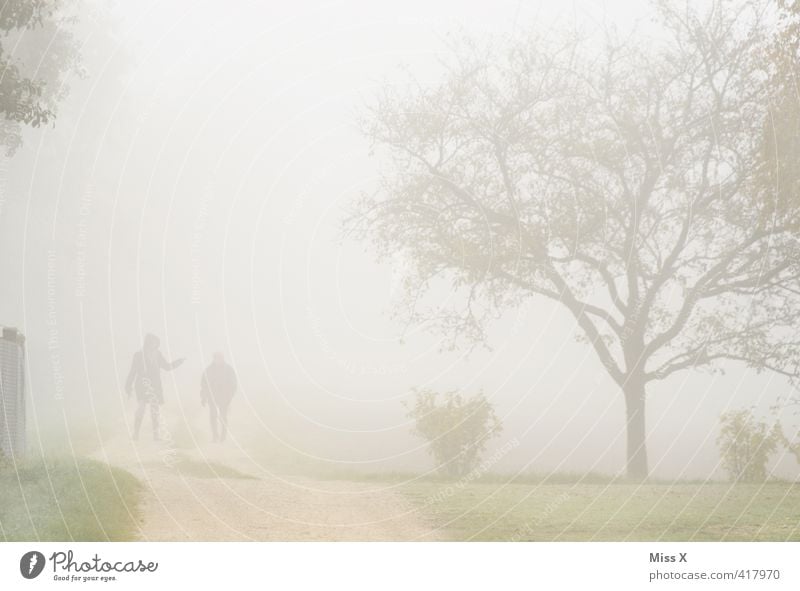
point(457, 428)
point(746, 444)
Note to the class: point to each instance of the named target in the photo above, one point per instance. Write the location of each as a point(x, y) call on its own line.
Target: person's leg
point(137, 422)
point(223, 420)
point(155, 417)
point(212, 412)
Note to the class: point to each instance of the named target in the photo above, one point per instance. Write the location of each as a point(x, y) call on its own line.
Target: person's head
point(219, 358)
point(151, 342)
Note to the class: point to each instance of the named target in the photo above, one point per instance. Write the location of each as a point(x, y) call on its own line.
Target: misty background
point(194, 185)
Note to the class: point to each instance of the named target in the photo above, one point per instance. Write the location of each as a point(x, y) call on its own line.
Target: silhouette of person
point(217, 387)
point(145, 378)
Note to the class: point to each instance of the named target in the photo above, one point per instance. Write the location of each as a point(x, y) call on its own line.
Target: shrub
point(457, 428)
point(746, 445)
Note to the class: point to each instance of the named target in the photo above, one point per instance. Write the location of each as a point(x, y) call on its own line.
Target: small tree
point(746, 445)
point(457, 428)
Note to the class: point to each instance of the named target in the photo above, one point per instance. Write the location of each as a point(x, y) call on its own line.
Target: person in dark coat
point(145, 379)
point(217, 387)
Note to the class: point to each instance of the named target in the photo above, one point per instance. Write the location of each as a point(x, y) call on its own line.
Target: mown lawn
point(67, 499)
point(610, 511)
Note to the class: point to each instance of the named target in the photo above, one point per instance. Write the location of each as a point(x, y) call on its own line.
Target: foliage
point(781, 146)
point(457, 428)
point(37, 51)
point(623, 178)
point(793, 447)
point(792, 442)
point(746, 445)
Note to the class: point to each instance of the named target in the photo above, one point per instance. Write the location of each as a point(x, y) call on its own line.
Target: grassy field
point(583, 507)
point(67, 499)
point(531, 511)
point(84, 500)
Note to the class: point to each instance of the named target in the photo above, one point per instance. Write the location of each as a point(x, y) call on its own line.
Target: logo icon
point(31, 564)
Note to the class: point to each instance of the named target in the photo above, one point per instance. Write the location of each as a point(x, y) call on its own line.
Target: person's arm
point(131, 375)
point(165, 365)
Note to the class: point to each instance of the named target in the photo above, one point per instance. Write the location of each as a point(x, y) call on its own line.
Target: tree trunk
point(635, 412)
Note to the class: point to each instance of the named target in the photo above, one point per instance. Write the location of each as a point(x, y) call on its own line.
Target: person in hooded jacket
point(144, 378)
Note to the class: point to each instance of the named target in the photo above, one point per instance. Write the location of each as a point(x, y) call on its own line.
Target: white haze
point(194, 186)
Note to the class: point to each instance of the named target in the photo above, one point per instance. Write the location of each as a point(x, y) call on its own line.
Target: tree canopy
point(36, 52)
point(626, 178)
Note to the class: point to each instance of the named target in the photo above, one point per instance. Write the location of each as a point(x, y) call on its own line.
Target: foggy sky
point(194, 186)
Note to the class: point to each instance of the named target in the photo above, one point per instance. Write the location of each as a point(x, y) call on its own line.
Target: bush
point(456, 428)
point(792, 445)
point(746, 445)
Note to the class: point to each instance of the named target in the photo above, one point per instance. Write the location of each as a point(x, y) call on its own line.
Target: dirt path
point(214, 494)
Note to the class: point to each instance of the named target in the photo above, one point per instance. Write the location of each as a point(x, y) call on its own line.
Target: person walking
point(217, 387)
point(145, 379)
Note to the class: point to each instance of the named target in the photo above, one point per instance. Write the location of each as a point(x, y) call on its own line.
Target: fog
point(195, 185)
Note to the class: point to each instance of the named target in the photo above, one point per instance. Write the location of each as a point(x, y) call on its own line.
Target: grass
point(614, 511)
point(485, 478)
point(582, 507)
point(67, 499)
point(71, 499)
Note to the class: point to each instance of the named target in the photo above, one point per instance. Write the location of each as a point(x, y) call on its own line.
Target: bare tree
point(623, 179)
